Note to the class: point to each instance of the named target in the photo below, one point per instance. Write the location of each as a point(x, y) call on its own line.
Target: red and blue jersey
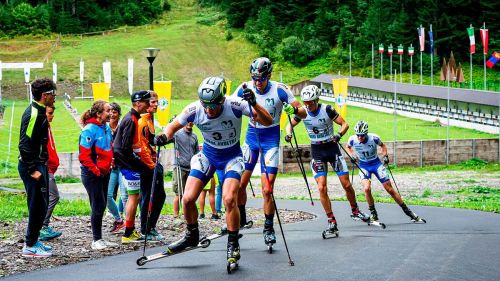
point(96, 152)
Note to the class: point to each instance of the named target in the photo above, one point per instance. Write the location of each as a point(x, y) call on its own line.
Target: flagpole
point(411, 66)
point(390, 63)
point(448, 119)
point(485, 43)
point(420, 67)
point(349, 59)
point(395, 101)
point(381, 66)
point(400, 47)
point(373, 60)
point(470, 79)
point(432, 51)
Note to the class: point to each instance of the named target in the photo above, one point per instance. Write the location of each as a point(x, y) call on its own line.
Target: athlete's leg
point(349, 190)
point(229, 197)
point(194, 186)
point(323, 194)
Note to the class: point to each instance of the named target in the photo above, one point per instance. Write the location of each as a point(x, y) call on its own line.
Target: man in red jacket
point(47, 233)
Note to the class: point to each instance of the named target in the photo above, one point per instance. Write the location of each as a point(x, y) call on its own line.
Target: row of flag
point(390, 49)
point(484, 38)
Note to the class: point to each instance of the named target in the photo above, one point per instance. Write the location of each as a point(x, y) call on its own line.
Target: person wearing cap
point(219, 119)
point(32, 167)
point(149, 158)
point(275, 97)
point(128, 151)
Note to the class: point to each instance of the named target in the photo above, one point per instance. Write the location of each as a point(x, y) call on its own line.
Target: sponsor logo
point(163, 104)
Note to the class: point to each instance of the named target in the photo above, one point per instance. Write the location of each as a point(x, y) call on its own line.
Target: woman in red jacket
point(95, 156)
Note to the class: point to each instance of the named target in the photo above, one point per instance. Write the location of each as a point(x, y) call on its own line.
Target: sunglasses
point(211, 106)
point(259, 79)
point(51, 92)
point(361, 135)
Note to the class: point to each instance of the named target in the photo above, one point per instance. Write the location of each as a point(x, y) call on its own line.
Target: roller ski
point(414, 218)
point(189, 242)
point(248, 225)
point(331, 232)
point(233, 255)
point(269, 238)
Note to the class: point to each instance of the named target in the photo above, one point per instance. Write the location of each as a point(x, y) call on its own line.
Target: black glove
point(354, 159)
point(288, 138)
point(386, 159)
point(249, 96)
point(161, 140)
point(336, 138)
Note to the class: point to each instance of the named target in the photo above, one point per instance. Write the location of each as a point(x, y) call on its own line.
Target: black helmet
point(140, 96)
point(261, 67)
point(212, 90)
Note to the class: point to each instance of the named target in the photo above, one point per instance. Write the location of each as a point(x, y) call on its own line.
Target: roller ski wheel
point(142, 261)
point(270, 248)
point(419, 220)
point(232, 265)
point(377, 223)
point(327, 234)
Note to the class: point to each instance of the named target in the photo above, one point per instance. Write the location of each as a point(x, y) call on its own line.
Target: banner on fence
point(340, 94)
point(100, 91)
point(164, 91)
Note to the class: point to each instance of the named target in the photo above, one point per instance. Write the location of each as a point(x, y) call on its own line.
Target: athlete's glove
point(249, 96)
point(161, 140)
point(386, 159)
point(288, 138)
point(354, 159)
point(336, 138)
point(290, 109)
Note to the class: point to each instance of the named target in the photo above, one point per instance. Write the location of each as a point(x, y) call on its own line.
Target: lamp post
point(151, 55)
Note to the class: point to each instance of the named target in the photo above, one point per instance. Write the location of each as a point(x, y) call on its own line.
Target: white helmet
point(361, 128)
point(310, 93)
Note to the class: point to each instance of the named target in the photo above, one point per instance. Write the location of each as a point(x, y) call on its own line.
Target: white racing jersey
point(367, 151)
point(272, 100)
point(319, 124)
point(222, 131)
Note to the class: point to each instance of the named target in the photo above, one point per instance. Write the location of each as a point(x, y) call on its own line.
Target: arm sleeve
point(350, 142)
point(377, 139)
point(238, 92)
point(187, 115)
point(25, 140)
point(332, 113)
point(284, 94)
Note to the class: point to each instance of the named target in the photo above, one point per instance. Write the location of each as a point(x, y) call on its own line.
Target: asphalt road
point(455, 244)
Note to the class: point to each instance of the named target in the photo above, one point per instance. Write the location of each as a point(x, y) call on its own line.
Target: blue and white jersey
point(367, 151)
point(272, 100)
point(221, 133)
point(319, 124)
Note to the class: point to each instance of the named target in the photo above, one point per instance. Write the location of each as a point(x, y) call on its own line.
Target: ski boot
point(190, 240)
point(233, 255)
point(332, 231)
point(269, 237)
point(358, 215)
point(373, 219)
point(413, 216)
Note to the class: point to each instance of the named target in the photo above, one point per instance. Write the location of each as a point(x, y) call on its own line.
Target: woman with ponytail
point(96, 154)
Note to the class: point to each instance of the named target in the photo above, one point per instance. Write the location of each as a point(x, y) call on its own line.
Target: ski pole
point(150, 205)
point(251, 187)
point(179, 176)
point(393, 178)
point(298, 157)
point(352, 175)
point(352, 160)
point(290, 261)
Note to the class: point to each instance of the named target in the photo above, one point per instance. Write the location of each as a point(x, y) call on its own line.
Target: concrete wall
point(409, 153)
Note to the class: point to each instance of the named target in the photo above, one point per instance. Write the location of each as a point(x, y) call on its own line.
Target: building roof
point(437, 92)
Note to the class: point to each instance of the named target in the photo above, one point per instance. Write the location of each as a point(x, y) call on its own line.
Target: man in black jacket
point(33, 163)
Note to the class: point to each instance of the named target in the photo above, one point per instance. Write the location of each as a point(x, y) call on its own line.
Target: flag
point(164, 91)
point(340, 94)
point(400, 49)
point(100, 91)
point(26, 74)
point(411, 51)
point(495, 57)
point(130, 76)
point(381, 48)
point(484, 38)
point(421, 37)
point(431, 41)
point(390, 50)
point(228, 87)
point(54, 72)
point(283, 120)
point(444, 71)
point(472, 40)
point(81, 70)
point(106, 70)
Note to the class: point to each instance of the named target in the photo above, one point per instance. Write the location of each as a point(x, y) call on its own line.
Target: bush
point(299, 51)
